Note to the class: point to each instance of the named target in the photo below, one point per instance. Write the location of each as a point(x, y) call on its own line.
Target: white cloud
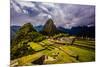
point(43, 8)
point(48, 4)
point(67, 15)
point(42, 15)
point(19, 6)
point(26, 12)
point(25, 3)
point(14, 6)
point(49, 16)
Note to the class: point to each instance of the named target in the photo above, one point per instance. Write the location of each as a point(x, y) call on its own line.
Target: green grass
point(85, 42)
point(62, 57)
point(84, 55)
point(67, 54)
point(46, 42)
point(68, 51)
point(30, 58)
point(35, 46)
point(72, 52)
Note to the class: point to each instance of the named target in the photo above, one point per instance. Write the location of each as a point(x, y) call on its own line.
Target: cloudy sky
point(65, 15)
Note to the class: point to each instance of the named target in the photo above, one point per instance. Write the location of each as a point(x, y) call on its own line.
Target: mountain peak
point(49, 21)
point(49, 28)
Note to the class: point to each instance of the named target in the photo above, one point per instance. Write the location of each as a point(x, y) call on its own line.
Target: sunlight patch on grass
point(84, 55)
point(35, 46)
point(30, 58)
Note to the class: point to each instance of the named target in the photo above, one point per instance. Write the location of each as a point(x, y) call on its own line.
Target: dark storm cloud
point(66, 15)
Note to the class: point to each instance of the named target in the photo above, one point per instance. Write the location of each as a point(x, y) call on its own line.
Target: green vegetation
point(35, 36)
point(30, 58)
point(19, 45)
point(85, 42)
point(84, 55)
point(60, 57)
point(35, 46)
point(46, 42)
point(29, 47)
point(60, 35)
point(23, 50)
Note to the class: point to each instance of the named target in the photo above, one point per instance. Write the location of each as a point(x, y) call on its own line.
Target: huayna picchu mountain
point(49, 28)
